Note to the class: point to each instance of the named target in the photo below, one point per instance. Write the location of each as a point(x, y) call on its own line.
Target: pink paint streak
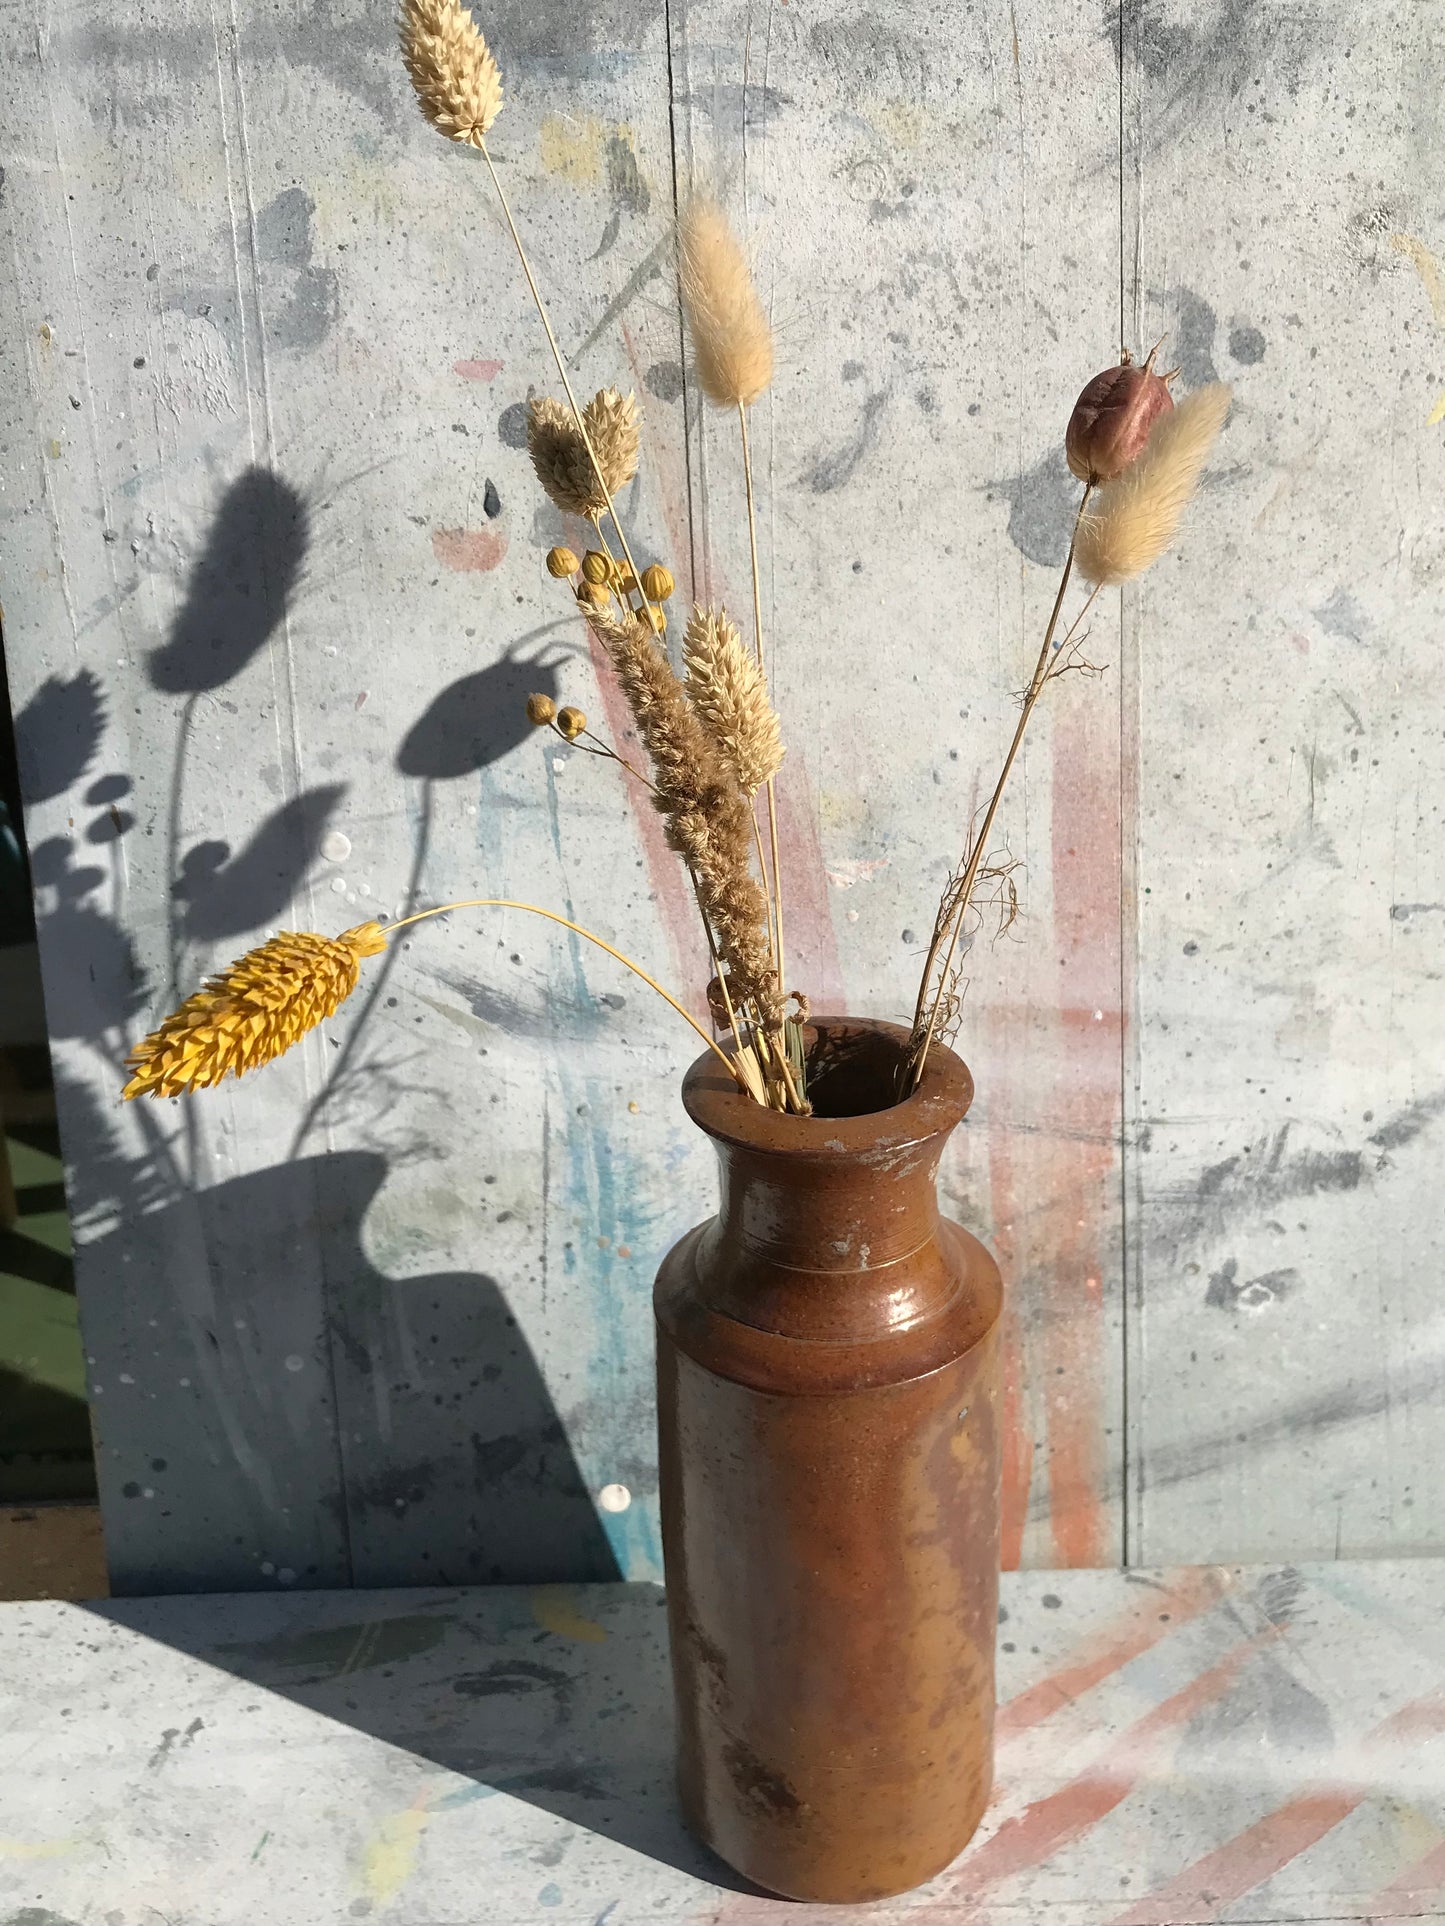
point(1204, 1889)
point(471, 551)
point(1152, 1616)
point(477, 370)
point(1061, 1817)
point(1084, 1159)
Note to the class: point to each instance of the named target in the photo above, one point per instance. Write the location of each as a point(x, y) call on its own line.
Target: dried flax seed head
point(729, 693)
point(252, 1011)
point(559, 453)
point(731, 340)
point(1134, 518)
point(458, 84)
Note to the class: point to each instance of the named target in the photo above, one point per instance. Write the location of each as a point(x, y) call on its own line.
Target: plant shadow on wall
point(455, 1464)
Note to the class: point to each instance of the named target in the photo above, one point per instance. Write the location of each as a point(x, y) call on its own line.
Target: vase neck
point(829, 1225)
point(834, 1251)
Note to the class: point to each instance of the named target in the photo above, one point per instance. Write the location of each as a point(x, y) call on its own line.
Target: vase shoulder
point(765, 1358)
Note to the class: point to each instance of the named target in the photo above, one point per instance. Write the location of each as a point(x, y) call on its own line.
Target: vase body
point(827, 1408)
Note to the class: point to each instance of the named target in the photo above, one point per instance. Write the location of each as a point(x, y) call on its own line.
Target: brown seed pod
point(1112, 418)
point(571, 722)
point(657, 582)
point(592, 595)
point(540, 709)
point(595, 566)
point(657, 618)
point(561, 562)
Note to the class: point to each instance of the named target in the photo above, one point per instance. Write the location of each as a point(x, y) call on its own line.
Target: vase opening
point(853, 1072)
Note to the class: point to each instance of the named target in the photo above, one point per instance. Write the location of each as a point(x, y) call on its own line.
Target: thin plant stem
point(718, 970)
point(777, 915)
point(541, 307)
point(1072, 630)
point(975, 858)
point(595, 746)
point(534, 909)
point(763, 872)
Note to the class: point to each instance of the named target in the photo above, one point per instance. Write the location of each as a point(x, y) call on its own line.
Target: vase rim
point(718, 1107)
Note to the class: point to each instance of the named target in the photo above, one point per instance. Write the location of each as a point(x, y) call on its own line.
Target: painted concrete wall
point(273, 593)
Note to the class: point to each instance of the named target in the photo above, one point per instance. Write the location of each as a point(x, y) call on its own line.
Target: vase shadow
point(561, 1698)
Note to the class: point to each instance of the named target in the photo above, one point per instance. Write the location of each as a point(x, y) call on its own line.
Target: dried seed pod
point(1112, 418)
point(657, 618)
point(540, 709)
point(657, 582)
point(561, 562)
point(592, 595)
point(595, 566)
point(570, 723)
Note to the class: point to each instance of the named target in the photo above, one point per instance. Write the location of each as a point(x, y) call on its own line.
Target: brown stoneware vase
point(827, 1365)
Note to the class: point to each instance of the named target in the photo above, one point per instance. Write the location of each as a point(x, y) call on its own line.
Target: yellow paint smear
point(38, 1848)
point(555, 1612)
point(390, 1858)
point(1437, 413)
point(1428, 269)
point(574, 146)
point(902, 123)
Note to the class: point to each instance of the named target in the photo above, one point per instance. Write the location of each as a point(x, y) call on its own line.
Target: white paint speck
point(338, 885)
point(335, 847)
point(559, 763)
point(286, 1575)
point(126, 1378)
point(614, 1497)
point(184, 1383)
point(148, 1491)
point(268, 1570)
point(294, 1363)
point(1098, 1016)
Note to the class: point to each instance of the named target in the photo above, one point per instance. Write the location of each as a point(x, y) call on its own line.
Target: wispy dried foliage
point(708, 820)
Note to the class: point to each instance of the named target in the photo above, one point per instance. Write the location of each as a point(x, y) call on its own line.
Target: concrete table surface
point(1187, 1745)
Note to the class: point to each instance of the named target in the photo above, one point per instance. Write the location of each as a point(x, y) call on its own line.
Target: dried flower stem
point(534, 909)
point(951, 926)
point(541, 307)
point(775, 899)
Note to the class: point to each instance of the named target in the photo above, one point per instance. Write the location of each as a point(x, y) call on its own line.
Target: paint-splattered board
point(1190, 1745)
point(271, 560)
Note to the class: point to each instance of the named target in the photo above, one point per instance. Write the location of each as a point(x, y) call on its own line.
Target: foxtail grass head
point(732, 342)
point(458, 83)
point(253, 1011)
point(1133, 518)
